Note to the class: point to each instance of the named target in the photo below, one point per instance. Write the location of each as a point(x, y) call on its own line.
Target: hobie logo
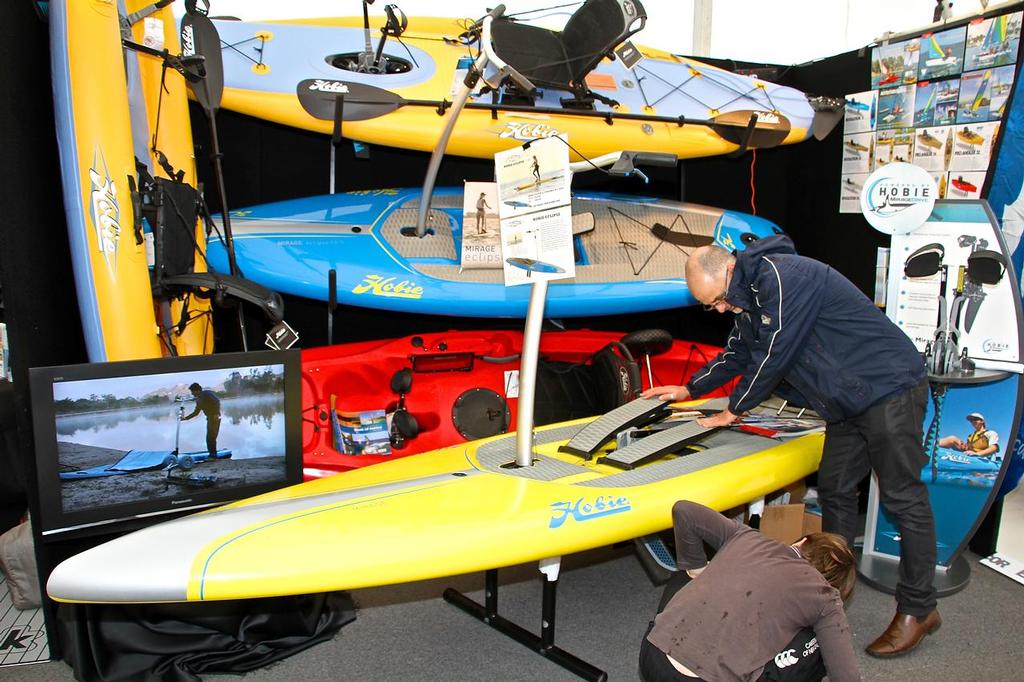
point(188, 43)
point(960, 459)
point(585, 511)
point(104, 210)
point(767, 117)
point(329, 86)
point(527, 131)
point(991, 346)
point(380, 286)
point(898, 198)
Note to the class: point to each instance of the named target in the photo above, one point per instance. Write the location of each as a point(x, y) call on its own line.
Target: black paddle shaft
point(749, 129)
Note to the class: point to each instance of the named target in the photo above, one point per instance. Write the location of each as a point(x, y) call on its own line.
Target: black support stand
point(543, 645)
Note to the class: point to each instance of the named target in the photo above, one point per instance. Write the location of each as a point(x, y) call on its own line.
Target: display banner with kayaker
point(952, 288)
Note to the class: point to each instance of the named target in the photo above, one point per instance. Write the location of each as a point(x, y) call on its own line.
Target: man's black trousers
point(886, 438)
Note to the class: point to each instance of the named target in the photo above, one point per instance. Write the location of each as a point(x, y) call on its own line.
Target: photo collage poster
point(935, 101)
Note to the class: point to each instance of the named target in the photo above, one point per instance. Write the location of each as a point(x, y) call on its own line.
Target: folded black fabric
point(177, 642)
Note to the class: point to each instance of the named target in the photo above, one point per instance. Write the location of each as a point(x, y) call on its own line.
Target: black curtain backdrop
point(39, 302)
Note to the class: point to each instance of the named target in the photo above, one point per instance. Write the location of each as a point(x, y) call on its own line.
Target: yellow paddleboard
point(450, 511)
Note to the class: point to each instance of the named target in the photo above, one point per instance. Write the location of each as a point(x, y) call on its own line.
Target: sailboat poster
point(941, 54)
point(993, 42)
point(983, 94)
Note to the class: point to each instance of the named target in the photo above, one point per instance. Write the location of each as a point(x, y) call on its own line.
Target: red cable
point(753, 191)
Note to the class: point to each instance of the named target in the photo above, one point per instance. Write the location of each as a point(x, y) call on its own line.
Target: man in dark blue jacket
point(804, 331)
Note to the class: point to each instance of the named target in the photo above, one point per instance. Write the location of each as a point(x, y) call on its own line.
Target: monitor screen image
point(124, 441)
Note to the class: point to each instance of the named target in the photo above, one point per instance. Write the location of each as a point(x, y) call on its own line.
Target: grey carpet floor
point(605, 601)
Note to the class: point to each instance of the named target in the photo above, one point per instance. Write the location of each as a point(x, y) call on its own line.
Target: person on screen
point(536, 170)
point(760, 610)
point(983, 442)
point(805, 332)
point(208, 403)
point(481, 213)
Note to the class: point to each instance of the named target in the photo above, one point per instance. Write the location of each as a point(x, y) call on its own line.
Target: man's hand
point(723, 418)
point(669, 393)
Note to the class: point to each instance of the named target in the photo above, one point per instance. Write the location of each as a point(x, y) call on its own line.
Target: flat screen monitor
point(118, 443)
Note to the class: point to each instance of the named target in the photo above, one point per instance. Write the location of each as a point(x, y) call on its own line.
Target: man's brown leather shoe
point(903, 634)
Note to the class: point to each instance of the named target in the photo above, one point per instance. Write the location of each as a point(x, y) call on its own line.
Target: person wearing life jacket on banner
point(982, 442)
point(805, 332)
point(208, 403)
point(760, 610)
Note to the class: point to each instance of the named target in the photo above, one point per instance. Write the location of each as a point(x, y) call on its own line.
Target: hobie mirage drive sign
point(898, 198)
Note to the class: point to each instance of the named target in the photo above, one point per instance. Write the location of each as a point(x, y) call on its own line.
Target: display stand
point(488, 611)
point(974, 360)
point(545, 643)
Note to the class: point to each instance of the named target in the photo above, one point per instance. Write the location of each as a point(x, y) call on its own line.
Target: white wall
point(777, 31)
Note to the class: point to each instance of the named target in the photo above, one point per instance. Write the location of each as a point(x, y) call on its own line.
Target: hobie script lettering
point(585, 511)
point(379, 286)
point(188, 43)
point(766, 117)
point(329, 86)
point(527, 131)
point(105, 216)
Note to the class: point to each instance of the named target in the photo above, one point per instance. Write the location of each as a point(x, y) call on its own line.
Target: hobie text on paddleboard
point(585, 511)
point(381, 286)
point(106, 215)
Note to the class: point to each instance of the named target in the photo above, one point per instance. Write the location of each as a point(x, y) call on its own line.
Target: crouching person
point(760, 610)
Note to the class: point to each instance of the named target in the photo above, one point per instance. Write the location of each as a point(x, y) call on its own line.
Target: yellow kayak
point(450, 511)
point(96, 156)
point(169, 133)
point(113, 107)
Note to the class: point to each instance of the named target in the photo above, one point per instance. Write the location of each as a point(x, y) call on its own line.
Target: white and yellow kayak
point(291, 72)
point(106, 114)
point(450, 511)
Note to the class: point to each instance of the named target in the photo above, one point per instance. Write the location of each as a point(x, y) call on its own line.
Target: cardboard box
point(788, 522)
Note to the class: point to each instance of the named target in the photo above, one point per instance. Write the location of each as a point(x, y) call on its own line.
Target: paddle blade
point(770, 128)
point(199, 37)
point(684, 239)
point(318, 96)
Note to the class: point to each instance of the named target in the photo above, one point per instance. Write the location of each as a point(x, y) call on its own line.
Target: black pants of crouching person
point(799, 661)
point(887, 437)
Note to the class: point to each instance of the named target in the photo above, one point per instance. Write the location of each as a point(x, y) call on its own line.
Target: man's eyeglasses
point(721, 297)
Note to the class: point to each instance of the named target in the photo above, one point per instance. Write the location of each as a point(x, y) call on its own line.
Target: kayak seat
point(562, 59)
point(569, 390)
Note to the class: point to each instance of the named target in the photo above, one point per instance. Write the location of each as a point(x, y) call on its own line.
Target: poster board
point(937, 101)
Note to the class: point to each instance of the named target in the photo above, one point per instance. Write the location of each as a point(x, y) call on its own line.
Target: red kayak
point(372, 401)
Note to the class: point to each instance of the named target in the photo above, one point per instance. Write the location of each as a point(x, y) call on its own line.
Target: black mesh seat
point(562, 59)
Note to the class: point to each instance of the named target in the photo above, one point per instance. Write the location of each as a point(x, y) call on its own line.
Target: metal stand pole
point(442, 143)
point(528, 373)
